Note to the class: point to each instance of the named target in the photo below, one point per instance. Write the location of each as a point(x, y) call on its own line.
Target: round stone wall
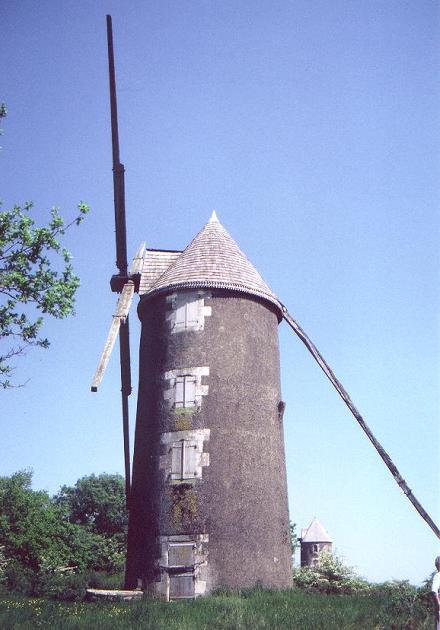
point(225, 519)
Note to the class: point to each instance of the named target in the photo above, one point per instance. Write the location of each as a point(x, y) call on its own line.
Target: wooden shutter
point(186, 313)
point(190, 391)
point(180, 391)
point(189, 459)
point(180, 313)
point(183, 459)
point(181, 555)
point(192, 313)
point(182, 586)
point(176, 460)
point(185, 391)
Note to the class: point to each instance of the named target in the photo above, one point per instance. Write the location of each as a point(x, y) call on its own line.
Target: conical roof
point(315, 533)
point(213, 260)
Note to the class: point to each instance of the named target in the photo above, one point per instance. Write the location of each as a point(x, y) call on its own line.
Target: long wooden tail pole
point(346, 398)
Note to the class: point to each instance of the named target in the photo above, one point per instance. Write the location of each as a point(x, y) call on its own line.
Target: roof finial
point(213, 217)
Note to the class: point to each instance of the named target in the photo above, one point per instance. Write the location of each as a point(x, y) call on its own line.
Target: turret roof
point(212, 260)
point(315, 532)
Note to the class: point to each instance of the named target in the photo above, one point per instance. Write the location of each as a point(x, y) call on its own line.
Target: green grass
point(252, 610)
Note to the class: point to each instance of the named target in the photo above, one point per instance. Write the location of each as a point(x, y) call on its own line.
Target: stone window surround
point(200, 542)
point(175, 300)
point(195, 436)
point(170, 377)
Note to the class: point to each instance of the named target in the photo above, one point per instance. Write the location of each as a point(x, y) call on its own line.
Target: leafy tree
point(37, 539)
point(28, 276)
point(31, 274)
point(294, 542)
point(33, 532)
point(98, 502)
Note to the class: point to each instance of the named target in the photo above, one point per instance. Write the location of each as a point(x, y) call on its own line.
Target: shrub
point(3, 564)
point(330, 575)
point(20, 578)
point(108, 553)
point(67, 586)
point(404, 600)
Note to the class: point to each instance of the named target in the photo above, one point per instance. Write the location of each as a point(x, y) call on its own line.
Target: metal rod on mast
point(121, 255)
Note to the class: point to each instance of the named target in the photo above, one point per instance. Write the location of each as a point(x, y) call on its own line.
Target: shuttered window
point(182, 586)
point(183, 460)
point(185, 394)
point(187, 313)
point(181, 555)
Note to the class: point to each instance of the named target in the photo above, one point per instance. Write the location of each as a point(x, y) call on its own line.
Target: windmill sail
point(122, 309)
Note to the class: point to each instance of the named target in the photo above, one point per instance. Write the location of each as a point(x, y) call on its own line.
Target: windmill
point(208, 498)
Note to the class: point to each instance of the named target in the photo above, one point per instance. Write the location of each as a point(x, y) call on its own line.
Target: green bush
point(67, 586)
point(108, 553)
point(3, 564)
point(408, 607)
point(20, 578)
point(402, 599)
point(330, 575)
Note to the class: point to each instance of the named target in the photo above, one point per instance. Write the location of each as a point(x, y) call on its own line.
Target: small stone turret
point(314, 539)
point(209, 494)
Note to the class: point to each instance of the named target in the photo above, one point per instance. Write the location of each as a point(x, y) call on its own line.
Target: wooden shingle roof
point(315, 532)
point(212, 260)
point(156, 262)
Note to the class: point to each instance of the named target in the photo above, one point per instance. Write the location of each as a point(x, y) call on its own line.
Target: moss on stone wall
point(184, 505)
point(183, 421)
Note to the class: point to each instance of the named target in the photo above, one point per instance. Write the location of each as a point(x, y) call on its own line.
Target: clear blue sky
point(312, 127)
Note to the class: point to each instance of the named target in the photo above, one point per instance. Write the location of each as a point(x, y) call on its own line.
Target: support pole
point(347, 400)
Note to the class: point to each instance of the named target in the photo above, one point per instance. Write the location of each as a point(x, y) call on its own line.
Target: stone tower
point(209, 495)
point(314, 539)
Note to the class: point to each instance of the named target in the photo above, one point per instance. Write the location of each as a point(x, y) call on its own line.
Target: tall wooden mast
point(126, 281)
point(118, 168)
point(119, 280)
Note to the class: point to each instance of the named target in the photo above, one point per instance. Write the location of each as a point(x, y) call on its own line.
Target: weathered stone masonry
point(209, 499)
